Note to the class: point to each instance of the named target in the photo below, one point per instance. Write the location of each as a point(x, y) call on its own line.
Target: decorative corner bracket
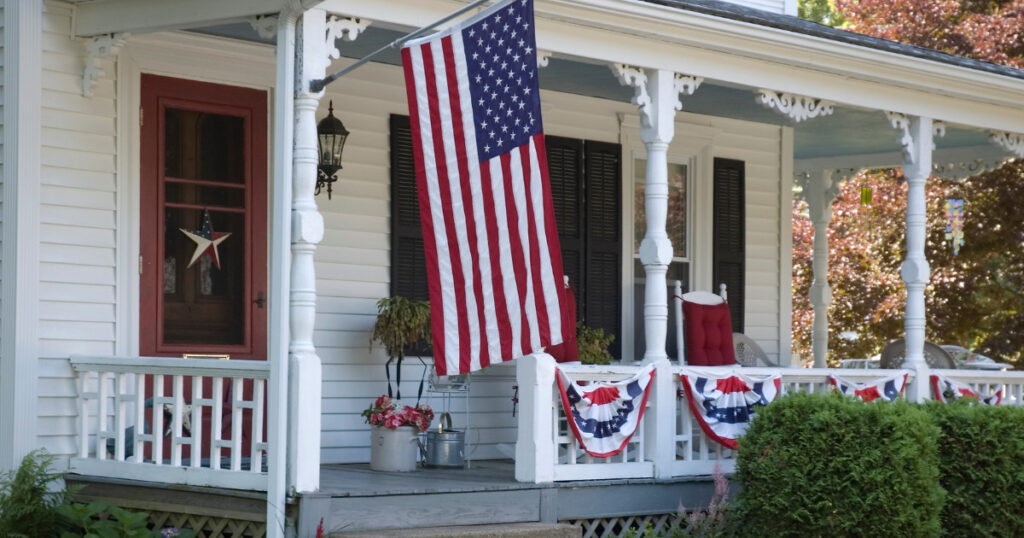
point(97, 48)
point(1012, 142)
point(265, 25)
point(901, 122)
point(634, 77)
point(685, 85)
point(342, 28)
point(543, 57)
point(797, 107)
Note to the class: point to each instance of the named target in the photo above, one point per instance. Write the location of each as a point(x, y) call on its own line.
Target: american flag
point(493, 261)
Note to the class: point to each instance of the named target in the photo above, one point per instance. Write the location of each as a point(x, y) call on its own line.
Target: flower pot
point(393, 450)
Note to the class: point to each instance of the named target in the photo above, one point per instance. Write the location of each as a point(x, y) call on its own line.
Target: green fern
point(28, 503)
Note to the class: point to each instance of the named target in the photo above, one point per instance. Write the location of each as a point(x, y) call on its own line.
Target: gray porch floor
point(353, 498)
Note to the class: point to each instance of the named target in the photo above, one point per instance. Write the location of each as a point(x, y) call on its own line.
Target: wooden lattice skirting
point(615, 526)
point(208, 526)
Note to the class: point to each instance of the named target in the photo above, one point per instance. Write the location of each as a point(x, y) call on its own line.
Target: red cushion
point(708, 334)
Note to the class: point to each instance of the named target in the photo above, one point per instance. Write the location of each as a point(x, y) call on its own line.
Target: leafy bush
point(593, 345)
point(980, 461)
point(28, 505)
point(825, 465)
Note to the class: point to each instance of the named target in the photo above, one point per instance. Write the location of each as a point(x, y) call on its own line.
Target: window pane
point(201, 145)
point(186, 193)
point(204, 303)
point(675, 224)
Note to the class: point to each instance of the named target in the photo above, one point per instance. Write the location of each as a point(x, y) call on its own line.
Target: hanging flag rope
point(494, 266)
point(604, 416)
point(724, 404)
point(886, 388)
point(947, 390)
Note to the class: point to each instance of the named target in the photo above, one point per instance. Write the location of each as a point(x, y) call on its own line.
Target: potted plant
point(401, 322)
point(395, 432)
point(593, 345)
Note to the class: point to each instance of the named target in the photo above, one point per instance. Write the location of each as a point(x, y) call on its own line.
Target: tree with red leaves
point(975, 299)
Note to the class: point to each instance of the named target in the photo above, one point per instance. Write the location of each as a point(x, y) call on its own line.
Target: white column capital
point(657, 95)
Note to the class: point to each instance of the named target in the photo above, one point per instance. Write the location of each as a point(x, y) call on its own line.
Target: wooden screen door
point(203, 219)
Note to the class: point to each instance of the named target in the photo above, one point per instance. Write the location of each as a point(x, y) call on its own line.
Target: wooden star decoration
point(206, 241)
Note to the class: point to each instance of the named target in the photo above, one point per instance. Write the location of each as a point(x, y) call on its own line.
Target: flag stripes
point(493, 260)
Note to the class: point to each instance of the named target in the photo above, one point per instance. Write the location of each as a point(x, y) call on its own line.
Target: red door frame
point(158, 93)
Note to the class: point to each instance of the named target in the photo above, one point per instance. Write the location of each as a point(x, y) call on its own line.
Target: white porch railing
point(187, 421)
point(669, 444)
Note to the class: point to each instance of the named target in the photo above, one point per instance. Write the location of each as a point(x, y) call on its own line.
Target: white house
point(129, 122)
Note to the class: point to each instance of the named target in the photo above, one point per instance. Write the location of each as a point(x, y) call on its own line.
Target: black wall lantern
point(331, 135)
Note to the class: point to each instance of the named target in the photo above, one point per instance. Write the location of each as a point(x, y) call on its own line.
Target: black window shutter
point(565, 170)
point(603, 230)
point(408, 265)
point(729, 240)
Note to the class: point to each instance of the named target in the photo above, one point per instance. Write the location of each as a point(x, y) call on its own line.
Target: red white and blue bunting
point(885, 388)
point(724, 404)
point(604, 416)
point(947, 390)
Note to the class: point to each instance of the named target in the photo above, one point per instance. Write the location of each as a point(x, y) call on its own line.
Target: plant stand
point(393, 450)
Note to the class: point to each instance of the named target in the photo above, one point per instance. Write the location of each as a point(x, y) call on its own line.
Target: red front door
point(203, 218)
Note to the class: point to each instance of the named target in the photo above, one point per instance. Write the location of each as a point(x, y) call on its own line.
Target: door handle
point(260, 301)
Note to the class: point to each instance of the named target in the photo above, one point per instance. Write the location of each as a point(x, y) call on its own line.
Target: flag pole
point(320, 84)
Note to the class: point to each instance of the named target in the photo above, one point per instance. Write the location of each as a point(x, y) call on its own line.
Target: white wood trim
point(153, 15)
point(173, 366)
point(126, 292)
point(786, 247)
point(19, 319)
point(191, 476)
point(604, 471)
point(654, 36)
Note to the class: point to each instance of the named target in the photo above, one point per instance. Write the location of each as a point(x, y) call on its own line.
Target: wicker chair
point(748, 353)
point(896, 351)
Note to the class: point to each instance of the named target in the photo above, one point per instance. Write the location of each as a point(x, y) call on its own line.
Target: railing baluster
point(177, 410)
point(120, 415)
point(196, 452)
point(256, 457)
point(236, 424)
point(158, 419)
point(217, 420)
point(101, 417)
point(140, 417)
point(83, 415)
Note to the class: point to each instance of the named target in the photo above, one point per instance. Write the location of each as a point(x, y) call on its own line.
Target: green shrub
point(981, 463)
point(826, 465)
point(28, 503)
point(592, 345)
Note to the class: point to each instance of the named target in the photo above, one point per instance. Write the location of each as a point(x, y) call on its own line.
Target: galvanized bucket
point(445, 446)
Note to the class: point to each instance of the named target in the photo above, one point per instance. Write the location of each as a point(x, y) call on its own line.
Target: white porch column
point(19, 319)
point(657, 95)
point(918, 143)
point(307, 230)
point(820, 192)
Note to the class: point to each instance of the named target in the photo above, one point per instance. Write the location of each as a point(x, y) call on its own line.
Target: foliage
point(820, 11)
point(400, 322)
point(987, 30)
point(973, 299)
point(385, 412)
point(593, 345)
point(826, 465)
point(103, 520)
point(979, 461)
point(28, 505)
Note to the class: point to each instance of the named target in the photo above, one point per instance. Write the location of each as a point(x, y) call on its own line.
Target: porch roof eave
point(747, 54)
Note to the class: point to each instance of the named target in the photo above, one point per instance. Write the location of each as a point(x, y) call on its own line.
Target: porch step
point(511, 530)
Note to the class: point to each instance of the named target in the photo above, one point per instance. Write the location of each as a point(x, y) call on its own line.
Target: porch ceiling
point(851, 137)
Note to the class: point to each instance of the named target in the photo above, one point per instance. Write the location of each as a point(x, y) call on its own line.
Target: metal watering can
point(445, 446)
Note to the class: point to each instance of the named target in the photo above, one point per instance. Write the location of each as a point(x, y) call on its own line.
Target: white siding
point(77, 234)
point(775, 6)
point(353, 260)
point(2, 131)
